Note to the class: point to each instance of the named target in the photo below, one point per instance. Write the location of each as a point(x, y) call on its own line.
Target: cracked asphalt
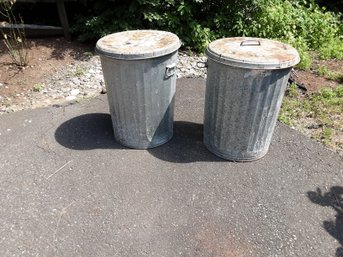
point(68, 189)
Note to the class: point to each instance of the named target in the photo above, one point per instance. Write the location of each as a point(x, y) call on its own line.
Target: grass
point(331, 75)
point(318, 114)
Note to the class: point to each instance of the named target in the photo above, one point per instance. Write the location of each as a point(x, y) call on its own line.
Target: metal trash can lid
point(138, 44)
point(253, 53)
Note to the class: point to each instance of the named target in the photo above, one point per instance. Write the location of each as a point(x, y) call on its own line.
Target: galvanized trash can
point(246, 80)
point(139, 71)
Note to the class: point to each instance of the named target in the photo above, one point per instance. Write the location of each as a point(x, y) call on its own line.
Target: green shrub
point(105, 18)
point(302, 24)
point(333, 48)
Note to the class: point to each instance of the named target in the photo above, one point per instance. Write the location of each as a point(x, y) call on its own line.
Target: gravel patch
point(84, 79)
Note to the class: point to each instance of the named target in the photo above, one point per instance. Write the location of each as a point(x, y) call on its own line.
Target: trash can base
point(145, 146)
point(236, 158)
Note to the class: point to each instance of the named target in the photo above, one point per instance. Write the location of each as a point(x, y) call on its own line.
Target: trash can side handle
point(251, 42)
point(170, 70)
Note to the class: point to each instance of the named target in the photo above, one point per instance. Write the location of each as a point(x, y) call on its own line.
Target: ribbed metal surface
point(141, 100)
point(241, 109)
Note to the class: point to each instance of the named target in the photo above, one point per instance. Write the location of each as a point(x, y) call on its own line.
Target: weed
point(306, 59)
point(323, 109)
point(79, 71)
point(332, 75)
point(292, 90)
point(15, 40)
point(88, 54)
point(190, 52)
point(38, 87)
point(326, 134)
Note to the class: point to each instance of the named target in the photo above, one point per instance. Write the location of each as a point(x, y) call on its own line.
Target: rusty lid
point(253, 53)
point(138, 44)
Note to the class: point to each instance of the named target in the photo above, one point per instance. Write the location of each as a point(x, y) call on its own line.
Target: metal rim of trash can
point(138, 44)
point(253, 53)
point(233, 158)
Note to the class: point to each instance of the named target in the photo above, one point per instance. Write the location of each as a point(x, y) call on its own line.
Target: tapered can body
point(242, 100)
point(141, 100)
point(139, 71)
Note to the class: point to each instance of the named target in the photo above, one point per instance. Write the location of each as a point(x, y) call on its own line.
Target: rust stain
point(269, 51)
point(139, 35)
point(213, 242)
point(282, 57)
point(144, 41)
point(165, 41)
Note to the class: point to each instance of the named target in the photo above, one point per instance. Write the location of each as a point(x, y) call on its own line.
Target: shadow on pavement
point(94, 131)
point(86, 132)
point(333, 199)
point(185, 146)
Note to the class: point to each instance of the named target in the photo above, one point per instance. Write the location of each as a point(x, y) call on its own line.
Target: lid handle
point(251, 42)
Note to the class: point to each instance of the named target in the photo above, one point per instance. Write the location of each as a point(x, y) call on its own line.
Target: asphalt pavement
point(67, 188)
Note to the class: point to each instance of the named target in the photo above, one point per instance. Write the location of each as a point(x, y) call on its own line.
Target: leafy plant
point(15, 40)
point(79, 71)
point(38, 87)
point(302, 24)
point(333, 48)
point(292, 90)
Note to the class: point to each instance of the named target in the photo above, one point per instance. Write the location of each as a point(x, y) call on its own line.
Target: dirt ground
point(45, 57)
point(48, 56)
point(312, 81)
